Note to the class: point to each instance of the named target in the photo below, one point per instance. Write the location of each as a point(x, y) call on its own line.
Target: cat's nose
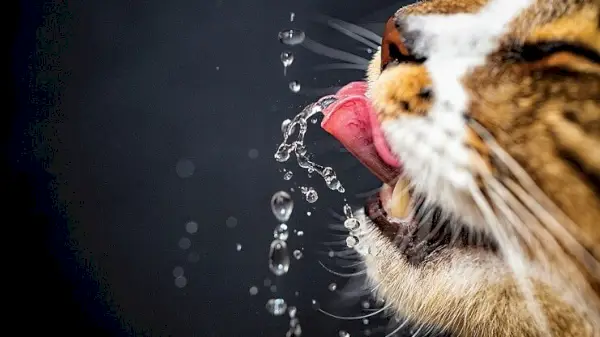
point(397, 44)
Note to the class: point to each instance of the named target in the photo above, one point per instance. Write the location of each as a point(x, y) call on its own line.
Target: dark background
point(108, 97)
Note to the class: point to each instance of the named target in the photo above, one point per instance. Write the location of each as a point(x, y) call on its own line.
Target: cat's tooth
point(400, 200)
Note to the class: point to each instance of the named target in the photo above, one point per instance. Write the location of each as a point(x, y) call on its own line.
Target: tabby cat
point(492, 111)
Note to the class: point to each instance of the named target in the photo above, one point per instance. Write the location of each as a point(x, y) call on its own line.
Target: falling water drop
point(295, 86)
point(292, 311)
point(282, 206)
point(351, 224)
point(288, 175)
point(348, 211)
point(279, 259)
point(281, 232)
point(344, 334)
point(351, 241)
point(297, 254)
point(291, 37)
point(292, 16)
point(310, 194)
point(287, 58)
point(332, 287)
point(238, 247)
point(276, 306)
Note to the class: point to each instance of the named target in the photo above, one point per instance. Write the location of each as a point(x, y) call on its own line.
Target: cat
point(492, 109)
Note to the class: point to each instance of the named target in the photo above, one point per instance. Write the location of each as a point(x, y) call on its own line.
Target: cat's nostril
point(397, 43)
point(425, 93)
point(404, 105)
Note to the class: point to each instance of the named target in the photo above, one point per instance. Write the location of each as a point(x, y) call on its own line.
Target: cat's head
point(493, 110)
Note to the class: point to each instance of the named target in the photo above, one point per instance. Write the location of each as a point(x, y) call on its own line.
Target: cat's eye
point(567, 56)
point(395, 48)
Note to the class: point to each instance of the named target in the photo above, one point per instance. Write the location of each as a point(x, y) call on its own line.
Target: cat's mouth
point(417, 228)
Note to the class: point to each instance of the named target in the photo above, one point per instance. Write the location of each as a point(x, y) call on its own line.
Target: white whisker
point(334, 66)
point(344, 30)
point(354, 317)
point(321, 49)
point(362, 272)
point(362, 31)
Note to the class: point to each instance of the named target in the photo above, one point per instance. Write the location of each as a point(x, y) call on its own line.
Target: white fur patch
point(432, 148)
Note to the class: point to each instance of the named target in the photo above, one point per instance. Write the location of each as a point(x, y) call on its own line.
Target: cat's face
point(493, 110)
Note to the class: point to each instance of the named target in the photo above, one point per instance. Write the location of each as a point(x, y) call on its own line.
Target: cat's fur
point(544, 115)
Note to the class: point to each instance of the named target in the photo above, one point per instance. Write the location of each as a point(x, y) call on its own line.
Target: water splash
point(298, 126)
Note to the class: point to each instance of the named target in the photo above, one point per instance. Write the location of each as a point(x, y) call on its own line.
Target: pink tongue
point(353, 122)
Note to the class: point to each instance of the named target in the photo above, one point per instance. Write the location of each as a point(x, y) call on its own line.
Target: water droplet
point(300, 233)
point(276, 306)
point(367, 332)
point(180, 281)
point(291, 37)
point(297, 293)
point(351, 241)
point(330, 178)
point(366, 304)
point(284, 125)
point(315, 305)
point(294, 321)
point(281, 232)
point(238, 247)
point(288, 175)
point(193, 257)
point(348, 211)
point(365, 321)
point(273, 288)
point(267, 282)
point(344, 334)
point(217, 68)
point(292, 16)
point(295, 86)
point(253, 153)
point(279, 259)
point(341, 189)
point(310, 194)
point(191, 227)
point(287, 58)
point(297, 254)
point(332, 287)
point(309, 213)
point(231, 222)
point(184, 243)
point(298, 330)
point(282, 206)
point(253, 290)
point(314, 121)
point(292, 311)
point(185, 168)
point(351, 224)
point(177, 271)
point(331, 253)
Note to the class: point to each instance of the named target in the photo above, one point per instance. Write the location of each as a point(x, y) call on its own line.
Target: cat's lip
point(353, 121)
